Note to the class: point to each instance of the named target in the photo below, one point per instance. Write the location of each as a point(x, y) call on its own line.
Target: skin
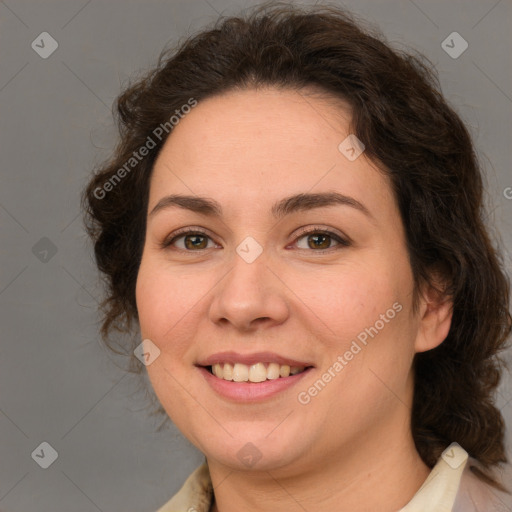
point(350, 448)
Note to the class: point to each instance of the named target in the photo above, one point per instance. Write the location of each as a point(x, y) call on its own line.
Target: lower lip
point(251, 391)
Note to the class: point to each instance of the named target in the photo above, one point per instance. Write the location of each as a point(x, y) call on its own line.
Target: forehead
point(279, 123)
point(257, 145)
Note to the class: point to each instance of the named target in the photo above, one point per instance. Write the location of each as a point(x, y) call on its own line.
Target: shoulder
point(474, 495)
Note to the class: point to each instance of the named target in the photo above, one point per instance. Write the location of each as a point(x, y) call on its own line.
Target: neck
point(374, 472)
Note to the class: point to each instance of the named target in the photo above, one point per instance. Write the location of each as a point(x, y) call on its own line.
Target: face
point(320, 284)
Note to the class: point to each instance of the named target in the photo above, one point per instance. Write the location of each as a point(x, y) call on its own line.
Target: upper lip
point(249, 359)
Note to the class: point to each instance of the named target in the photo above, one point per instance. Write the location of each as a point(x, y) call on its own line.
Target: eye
point(320, 240)
point(192, 240)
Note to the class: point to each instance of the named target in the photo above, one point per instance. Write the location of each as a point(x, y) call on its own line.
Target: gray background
point(57, 382)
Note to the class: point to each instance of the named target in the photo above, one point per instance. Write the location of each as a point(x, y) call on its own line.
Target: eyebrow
point(298, 202)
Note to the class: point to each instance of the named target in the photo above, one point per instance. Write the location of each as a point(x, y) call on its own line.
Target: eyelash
point(315, 230)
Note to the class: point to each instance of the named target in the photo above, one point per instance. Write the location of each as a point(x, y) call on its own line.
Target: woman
point(292, 222)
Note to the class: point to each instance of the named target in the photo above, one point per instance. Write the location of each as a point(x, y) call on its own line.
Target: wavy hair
point(409, 131)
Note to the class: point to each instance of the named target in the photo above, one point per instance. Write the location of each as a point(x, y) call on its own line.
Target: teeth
point(227, 371)
point(258, 372)
point(273, 371)
point(240, 372)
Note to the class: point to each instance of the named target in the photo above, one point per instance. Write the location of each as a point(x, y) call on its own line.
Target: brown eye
point(321, 240)
point(192, 241)
point(195, 241)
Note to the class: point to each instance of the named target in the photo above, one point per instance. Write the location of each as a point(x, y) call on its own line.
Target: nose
point(249, 296)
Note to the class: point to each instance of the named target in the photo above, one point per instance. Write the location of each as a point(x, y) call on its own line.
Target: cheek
point(362, 313)
point(367, 353)
point(152, 302)
point(162, 298)
point(346, 300)
point(166, 307)
point(171, 305)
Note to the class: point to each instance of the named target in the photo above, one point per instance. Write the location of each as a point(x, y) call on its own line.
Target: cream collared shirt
point(450, 487)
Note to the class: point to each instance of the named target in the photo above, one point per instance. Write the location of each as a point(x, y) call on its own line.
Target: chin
point(256, 455)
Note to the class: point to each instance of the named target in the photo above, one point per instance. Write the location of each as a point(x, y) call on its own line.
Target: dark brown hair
point(408, 130)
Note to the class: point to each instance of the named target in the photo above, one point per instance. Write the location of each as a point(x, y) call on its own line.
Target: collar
point(440, 489)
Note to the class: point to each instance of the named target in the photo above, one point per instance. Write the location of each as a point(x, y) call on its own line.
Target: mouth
point(254, 373)
point(252, 378)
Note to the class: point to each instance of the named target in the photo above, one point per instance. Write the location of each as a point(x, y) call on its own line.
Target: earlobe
point(435, 318)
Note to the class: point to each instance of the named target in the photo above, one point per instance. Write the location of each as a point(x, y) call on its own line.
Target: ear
point(434, 317)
